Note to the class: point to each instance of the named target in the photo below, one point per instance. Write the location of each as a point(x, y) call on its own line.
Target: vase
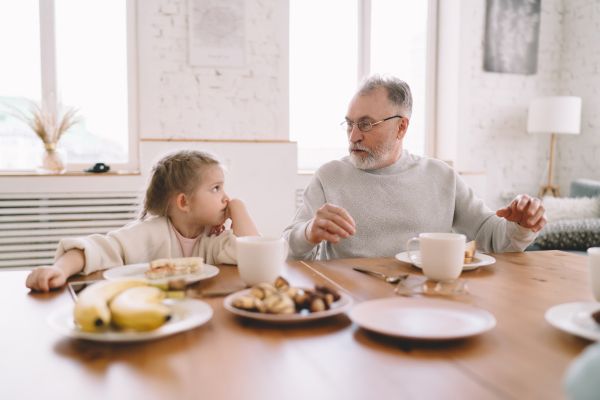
point(54, 159)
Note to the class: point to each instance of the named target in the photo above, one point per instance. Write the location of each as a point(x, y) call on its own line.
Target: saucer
point(479, 260)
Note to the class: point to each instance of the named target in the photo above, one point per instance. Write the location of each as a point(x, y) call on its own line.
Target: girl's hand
point(216, 230)
point(241, 222)
point(234, 206)
point(42, 279)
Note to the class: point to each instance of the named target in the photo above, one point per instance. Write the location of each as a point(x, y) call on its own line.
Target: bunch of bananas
point(127, 304)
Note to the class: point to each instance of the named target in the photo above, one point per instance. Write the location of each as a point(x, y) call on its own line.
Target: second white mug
point(442, 254)
point(594, 270)
point(260, 259)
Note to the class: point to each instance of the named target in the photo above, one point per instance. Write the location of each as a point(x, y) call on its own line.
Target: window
point(334, 44)
point(62, 54)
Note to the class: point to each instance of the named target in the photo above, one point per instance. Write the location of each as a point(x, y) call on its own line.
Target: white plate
point(422, 318)
point(138, 271)
point(480, 260)
point(186, 314)
point(575, 318)
point(338, 307)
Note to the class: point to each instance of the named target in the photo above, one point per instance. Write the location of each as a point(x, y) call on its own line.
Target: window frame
point(50, 85)
point(364, 66)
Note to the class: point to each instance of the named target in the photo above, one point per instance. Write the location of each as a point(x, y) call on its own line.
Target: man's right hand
point(331, 223)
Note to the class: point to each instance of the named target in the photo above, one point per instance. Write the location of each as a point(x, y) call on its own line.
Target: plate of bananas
point(127, 310)
point(282, 303)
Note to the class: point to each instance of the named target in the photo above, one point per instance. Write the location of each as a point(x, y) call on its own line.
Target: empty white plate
point(575, 318)
point(422, 318)
point(479, 260)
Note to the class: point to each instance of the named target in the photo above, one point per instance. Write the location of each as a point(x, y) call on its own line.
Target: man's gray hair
point(398, 91)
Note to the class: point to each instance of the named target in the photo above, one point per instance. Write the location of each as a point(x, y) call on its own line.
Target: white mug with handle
point(441, 254)
point(260, 259)
point(594, 268)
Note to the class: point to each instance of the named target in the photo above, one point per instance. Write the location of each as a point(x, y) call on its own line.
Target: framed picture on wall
point(217, 33)
point(512, 36)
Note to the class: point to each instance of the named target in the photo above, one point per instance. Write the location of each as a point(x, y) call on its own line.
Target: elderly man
point(371, 202)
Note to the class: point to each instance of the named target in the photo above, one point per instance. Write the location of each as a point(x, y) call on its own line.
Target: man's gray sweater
point(392, 204)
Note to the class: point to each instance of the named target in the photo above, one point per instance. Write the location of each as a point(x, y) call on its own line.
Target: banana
point(139, 308)
point(91, 310)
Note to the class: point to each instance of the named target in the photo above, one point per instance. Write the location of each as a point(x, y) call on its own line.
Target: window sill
point(70, 173)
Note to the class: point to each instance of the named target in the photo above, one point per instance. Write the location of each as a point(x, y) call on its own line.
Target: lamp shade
point(557, 114)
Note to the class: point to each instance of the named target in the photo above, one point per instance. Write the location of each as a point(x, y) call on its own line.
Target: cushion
point(585, 188)
point(562, 208)
point(570, 234)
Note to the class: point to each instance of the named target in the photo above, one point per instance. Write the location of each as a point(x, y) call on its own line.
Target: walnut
point(317, 304)
point(245, 302)
point(279, 304)
point(262, 290)
point(293, 291)
point(327, 290)
point(302, 300)
point(259, 305)
point(281, 284)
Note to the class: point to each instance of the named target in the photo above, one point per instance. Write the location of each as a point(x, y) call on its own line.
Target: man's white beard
point(368, 162)
point(373, 159)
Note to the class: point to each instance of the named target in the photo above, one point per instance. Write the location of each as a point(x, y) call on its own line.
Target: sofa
point(574, 221)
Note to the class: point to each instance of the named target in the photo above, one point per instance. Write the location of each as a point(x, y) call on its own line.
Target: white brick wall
point(492, 107)
point(179, 100)
point(579, 156)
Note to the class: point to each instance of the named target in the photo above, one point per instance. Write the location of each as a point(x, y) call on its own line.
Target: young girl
point(184, 211)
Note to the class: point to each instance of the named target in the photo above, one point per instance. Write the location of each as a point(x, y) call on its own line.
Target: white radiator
point(32, 224)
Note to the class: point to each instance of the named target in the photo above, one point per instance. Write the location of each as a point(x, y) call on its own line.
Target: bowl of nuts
point(282, 303)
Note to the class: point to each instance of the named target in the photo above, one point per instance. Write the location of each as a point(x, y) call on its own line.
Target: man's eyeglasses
point(365, 125)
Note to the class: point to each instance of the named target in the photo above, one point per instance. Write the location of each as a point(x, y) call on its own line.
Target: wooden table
point(230, 358)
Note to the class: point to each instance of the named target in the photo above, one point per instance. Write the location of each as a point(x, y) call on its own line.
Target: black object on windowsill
point(98, 168)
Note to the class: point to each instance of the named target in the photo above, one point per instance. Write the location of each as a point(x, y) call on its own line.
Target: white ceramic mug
point(594, 268)
point(442, 254)
point(260, 259)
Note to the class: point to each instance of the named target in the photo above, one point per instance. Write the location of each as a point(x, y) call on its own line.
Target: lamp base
point(549, 190)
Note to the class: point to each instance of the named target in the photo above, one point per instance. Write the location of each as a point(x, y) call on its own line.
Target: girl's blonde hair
point(175, 173)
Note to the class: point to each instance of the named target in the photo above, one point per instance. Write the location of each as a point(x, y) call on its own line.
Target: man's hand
point(526, 211)
point(331, 223)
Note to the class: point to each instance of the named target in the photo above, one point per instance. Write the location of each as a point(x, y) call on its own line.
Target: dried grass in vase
point(44, 123)
point(49, 130)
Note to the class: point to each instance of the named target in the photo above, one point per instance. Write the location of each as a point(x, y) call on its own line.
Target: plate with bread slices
point(189, 269)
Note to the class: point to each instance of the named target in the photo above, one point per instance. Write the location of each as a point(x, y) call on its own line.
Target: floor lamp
point(555, 115)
